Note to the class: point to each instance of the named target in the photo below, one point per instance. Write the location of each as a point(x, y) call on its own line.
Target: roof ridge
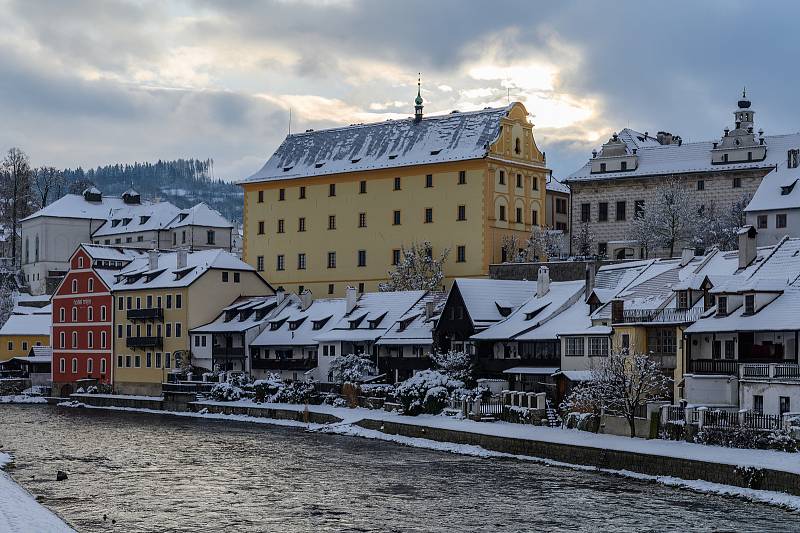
point(768, 257)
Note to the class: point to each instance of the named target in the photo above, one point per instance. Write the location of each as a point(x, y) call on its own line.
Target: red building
point(83, 317)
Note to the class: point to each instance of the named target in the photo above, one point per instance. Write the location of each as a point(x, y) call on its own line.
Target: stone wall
point(559, 270)
point(109, 400)
point(267, 412)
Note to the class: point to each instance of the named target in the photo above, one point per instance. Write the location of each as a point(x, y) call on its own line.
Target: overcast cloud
point(90, 82)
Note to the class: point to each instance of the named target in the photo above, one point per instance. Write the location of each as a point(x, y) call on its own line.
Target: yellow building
point(22, 331)
point(333, 208)
point(158, 299)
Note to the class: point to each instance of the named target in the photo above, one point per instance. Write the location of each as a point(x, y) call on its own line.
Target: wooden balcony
point(724, 367)
point(226, 351)
point(778, 371)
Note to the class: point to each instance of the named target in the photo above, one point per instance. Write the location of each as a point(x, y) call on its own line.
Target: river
point(163, 473)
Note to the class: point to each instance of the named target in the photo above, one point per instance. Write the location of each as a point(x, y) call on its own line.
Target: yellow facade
point(200, 303)
point(20, 345)
point(637, 339)
point(365, 221)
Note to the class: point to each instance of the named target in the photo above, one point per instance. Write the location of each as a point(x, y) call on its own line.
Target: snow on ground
point(22, 398)
point(20, 512)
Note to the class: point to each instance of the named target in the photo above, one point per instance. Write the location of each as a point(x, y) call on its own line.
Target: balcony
point(284, 364)
point(144, 342)
point(779, 371)
point(226, 351)
point(659, 316)
point(725, 367)
point(403, 363)
point(153, 313)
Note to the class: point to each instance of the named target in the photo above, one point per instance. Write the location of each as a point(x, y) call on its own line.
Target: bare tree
point(15, 190)
point(79, 185)
point(544, 244)
point(621, 384)
point(719, 227)
point(49, 183)
point(417, 269)
point(511, 248)
point(671, 217)
point(583, 240)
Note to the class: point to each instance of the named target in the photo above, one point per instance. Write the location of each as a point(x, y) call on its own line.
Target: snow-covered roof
point(532, 370)
point(137, 218)
point(293, 326)
point(554, 185)
point(481, 297)
point(200, 215)
point(28, 324)
point(778, 190)
point(138, 275)
point(389, 144)
point(536, 312)
point(660, 160)
point(414, 327)
point(76, 206)
point(41, 354)
point(779, 315)
point(374, 314)
point(245, 313)
point(112, 253)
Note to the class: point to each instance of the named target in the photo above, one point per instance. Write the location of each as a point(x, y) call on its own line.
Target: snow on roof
point(137, 275)
point(414, 327)
point(41, 354)
point(535, 312)
point(532, 370)
point(392, 143)
point(779, 315)
point(137, 218)
point(113, 253)
point(243, 314)
point(374, 314)
point(76, 206)
point(635, 139)
point(576, 375)
point(778, 190)
point(481, 295)
point(590, 330)
point(556, 186)
point(200, 215)
point(296, 327)
point(660, 160)
point(28, 324)
point(615, 277)
point(782, 262)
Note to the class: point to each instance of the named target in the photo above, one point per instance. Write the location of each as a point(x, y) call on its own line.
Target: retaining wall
point(108, 400)
point(267, 412)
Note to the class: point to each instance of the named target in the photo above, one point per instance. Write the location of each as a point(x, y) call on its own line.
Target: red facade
point(82, 327)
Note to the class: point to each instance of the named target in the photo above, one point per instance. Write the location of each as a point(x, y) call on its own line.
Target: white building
point(775, 208)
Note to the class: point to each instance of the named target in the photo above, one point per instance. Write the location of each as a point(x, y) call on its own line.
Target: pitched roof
point(28, 324)
point(556, 186)
point(242, 315)
point(200, 215)
point(323, 314)
point(374, 314)
point(414, 327)
point(76, 206)
point(393, 143)
point(136, 218)
point(778, 190)
point(482, 296)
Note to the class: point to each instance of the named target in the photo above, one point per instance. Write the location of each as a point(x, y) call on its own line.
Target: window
point(148, 360)
point(730, 349)
point(519, 216)
point(362, 220)
point(701, 185)
point(330, 288)
point(602, 167)
point(623, 165)
point(535, 183)
point(61, 315)
point(281, 226)
point(502, 177)
point(602, 212)
point(598, 347)
point(128, 331)
point(586, 210)
point(74, 365)
point(74, 286)
point(331, 259)
point(429, 180)
point(638, 208)
point(331, 221)
point(762, 222)
point(780, 220)
point(224, 277)
point(260, 263)
point(758, 403)
point(301, 261)
point(332, 189)
point(461, 254)
point(169, 301)
point(737, 183)
point(621, 211)
point(89, 365)
point(302, 193)
point(137, 361)
point(281, 263)
point(502, 212)
point(362, 258)
point(602, 249)
point(74, 339)
point(792, 160)
point(683, 299)
point(80, 262)
point(573, 346)
point(362, 187)
point(462, 212)
point(662, 341)
point(62, 365)
point(301, 224)
point(183, 237)
point(397, 184)
point(91, 285)
point(396, 219)
point(90, 314)
point(210, 236)
point(168, 329)
point(74, 314)
point(167, 360)
point(158, 359)
point(784, 405)
point(462, 177)
point(261, 197)
point(138, 303)
point(103, 315)
point(519, 181)
point(24, 346)
point(428, 215)
point(261, 227)
point(103, 339)
point(395, 257)
point(178, 298)
point(749, 304)
point(722, 305)
point(535, 218)
point(517, 147)
point(361, 286)
point(177, 329)
point(120, 303)
point(281, 195)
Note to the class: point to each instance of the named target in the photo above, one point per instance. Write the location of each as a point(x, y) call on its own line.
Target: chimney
point(428, 310)
point(280, 294)
point(152, 255)
point(543, 281)
point(589, 281)
point(617, 311)
point(182, 258)
point(664, 137)
point(747, 245)
point(306, 299)
point(350, 294)
point(687, 254)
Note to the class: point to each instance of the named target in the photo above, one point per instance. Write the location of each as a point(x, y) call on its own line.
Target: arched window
point(74, 286)
point(74, 339)
point(74, 314)
point(91, 285)
point(62, 365)
point(74, 365)
point(103, 313)
point(90, 314)
point(89, 365)
point(103, 339)
point(102, 365)
point(62, 341)
point(61, 314)
point(517, 146)
point(90, 339)
point(80, 262)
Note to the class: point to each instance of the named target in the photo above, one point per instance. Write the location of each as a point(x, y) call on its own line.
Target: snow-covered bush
point(239, 379)
point(351, 368)
point(91, 390)
point(427, 391)
point(266, 389)
point(456, 364)
point(226, 392)
point(377, 390)
point(334, 400)
point(297, 392)
point(743, 437)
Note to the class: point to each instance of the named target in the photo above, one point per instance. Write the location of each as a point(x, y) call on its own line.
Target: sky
point(92, 82)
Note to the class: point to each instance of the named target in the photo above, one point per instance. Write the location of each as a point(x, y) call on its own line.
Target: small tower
point(418, 101)
point(740, 145)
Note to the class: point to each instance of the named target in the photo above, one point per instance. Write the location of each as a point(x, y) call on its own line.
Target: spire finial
point(744, 92)
point(418, 99)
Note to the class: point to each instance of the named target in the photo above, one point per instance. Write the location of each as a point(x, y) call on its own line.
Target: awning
point(537, 370)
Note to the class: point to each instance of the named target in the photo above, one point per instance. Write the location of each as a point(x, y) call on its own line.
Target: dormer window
point(182, 217)
point(792, 159)
point(683, 299)
point(126, 221)
point(294, 324)
point(749, 304)
point(115, 222)
point(143, 219)
point(722, 306)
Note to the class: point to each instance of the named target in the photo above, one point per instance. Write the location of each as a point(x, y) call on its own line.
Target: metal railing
point(144, 342)
point(150, 313)
point(770, 370)
point(667, 316)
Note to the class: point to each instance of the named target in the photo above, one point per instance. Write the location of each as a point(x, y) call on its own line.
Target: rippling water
point(161, 473)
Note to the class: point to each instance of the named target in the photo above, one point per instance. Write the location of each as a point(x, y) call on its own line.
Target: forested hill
point(184, 182)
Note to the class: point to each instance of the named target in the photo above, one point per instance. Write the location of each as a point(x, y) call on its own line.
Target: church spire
point(418, 100)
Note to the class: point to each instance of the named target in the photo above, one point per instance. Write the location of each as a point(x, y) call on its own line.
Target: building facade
point(334, 208)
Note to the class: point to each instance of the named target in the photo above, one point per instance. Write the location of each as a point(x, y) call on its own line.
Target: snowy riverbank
point(20, 512)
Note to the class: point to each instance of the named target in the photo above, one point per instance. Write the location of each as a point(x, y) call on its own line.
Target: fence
point(673, 414)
